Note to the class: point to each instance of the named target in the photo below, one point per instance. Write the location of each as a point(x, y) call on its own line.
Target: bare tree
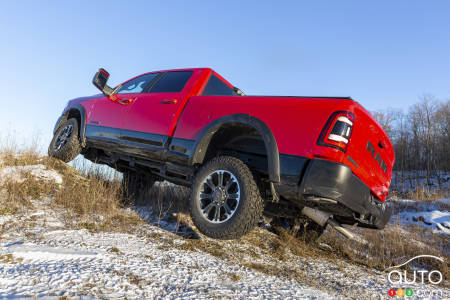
point(420, 137)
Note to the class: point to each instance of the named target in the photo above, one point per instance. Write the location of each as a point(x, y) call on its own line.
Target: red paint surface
point(295, 122)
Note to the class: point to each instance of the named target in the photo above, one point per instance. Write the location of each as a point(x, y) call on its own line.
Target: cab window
point(216, 87)
point(137, 85)
point(172, 82)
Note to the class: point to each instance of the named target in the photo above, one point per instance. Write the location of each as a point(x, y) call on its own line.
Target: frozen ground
point(109, 265)
point(46, 259)
point(40, 256)
point(39, 172)
point(434, 215)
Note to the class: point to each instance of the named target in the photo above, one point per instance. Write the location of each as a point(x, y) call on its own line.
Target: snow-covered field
point(432, 215)
point(60, 262)
point(41, 256)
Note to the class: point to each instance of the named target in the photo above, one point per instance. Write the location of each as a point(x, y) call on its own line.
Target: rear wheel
point(65, 144)
point(225, 202)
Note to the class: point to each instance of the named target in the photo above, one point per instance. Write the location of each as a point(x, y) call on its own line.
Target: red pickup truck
point(297, 158)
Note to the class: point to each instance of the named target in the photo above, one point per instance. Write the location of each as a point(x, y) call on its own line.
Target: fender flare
point(204, 139)
point(82, 127)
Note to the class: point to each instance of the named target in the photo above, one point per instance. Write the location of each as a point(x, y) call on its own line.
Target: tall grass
point(92, 198)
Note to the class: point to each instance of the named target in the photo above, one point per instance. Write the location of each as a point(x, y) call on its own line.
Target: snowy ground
point(40, 256)
point(46, 259)
point(60, 262)
point(434, 215)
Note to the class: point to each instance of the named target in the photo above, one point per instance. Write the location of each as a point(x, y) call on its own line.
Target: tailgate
point(370, 153)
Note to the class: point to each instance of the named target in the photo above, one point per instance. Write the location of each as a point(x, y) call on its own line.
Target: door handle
point(169, 101)
point(125, 101)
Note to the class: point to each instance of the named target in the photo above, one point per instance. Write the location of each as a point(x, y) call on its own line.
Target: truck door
point(152, 117)
point(110, 111)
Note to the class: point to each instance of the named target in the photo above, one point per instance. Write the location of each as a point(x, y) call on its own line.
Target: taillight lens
point(337, 131)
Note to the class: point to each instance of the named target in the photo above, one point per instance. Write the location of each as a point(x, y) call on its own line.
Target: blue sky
point(382, 53)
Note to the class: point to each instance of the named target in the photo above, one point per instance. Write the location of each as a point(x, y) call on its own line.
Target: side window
point(172, 82)
point(137, 85)
point(217, 87)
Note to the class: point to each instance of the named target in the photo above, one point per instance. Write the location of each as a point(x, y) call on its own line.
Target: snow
point(445, 201)
point(49, 259)
point(40, 172)
point(81, 263)
point(40, 256)
point(438, 221)
point(427, 214)
point(33, 252)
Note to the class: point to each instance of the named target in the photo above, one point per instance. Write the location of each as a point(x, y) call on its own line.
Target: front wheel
point(225, 202)
point(65, 144)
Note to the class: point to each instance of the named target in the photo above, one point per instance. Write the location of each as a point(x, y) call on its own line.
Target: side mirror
point(100, 80)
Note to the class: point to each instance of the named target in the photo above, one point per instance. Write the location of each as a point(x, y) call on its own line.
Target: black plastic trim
point(336, 181)
point(292, 168)
point(273, 156)
point(146, 138)
point(82, 127)
point(180, 150)
point(142, 144)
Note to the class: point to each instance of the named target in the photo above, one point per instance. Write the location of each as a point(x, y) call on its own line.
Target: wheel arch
point(203, 142)
point(76, 111)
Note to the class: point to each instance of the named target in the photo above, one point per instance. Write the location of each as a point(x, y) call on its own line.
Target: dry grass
point(384, 248)
point(391, 246)
point(17, 194)
point(92, 201)
point(114, 250)
point(10, 259)
point(421, 194)
point(234, 277)
point(96, 203)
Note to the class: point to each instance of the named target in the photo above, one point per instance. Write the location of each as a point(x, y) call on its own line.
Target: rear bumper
point(330, 180)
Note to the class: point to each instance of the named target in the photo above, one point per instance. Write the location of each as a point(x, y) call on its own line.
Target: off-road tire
point(248, 211)
point(136, 187)
point(71, 148)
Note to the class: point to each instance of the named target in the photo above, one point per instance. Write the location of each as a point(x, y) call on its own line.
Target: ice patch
point(15, 173)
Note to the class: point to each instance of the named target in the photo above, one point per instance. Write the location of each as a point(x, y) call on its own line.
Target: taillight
point(337, 131)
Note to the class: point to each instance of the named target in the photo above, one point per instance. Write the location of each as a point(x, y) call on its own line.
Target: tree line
point(420, 136)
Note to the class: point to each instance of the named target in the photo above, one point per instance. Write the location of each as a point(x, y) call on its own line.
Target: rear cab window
point(171, 82)
point(216, 87)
